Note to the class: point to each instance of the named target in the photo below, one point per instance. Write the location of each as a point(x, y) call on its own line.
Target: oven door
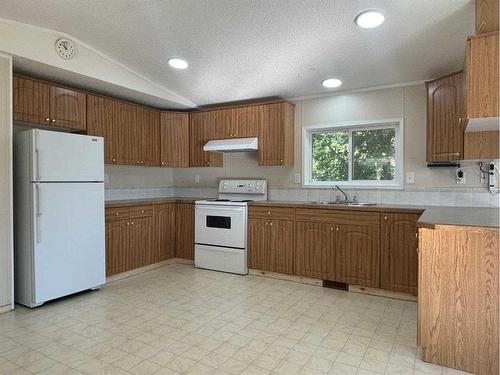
point(221, 225)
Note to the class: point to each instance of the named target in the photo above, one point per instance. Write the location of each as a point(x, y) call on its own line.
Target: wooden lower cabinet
point(399, 259)
point(141, 242)
point(357, 255)
point(270, 245)
point(117, 246)
point(165, 231)
point(314, 250)
point(184, 218)
point(458, 297)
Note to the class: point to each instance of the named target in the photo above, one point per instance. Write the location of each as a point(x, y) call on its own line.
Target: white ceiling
point(242, 49)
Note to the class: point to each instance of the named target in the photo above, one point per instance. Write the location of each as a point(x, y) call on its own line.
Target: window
point(357, 154)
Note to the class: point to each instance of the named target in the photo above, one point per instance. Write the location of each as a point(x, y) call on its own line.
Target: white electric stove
point(221, 226)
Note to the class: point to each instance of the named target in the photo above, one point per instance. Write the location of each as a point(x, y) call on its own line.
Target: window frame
point(308, 131)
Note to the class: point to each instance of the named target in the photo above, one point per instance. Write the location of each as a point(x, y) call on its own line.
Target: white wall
point(6, 258)
point(408, 103)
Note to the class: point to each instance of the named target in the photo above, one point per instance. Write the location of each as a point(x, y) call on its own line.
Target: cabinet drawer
point(346, 217)
point(141, 211)
point(271, 212)
point(117, 213)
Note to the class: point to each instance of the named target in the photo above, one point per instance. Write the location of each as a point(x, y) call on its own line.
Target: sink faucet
point(342, 191)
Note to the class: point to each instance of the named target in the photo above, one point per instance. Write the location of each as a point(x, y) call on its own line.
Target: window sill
point(353, 186)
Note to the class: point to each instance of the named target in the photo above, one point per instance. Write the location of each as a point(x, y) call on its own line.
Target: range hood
point(483, 124)
point(232, 145)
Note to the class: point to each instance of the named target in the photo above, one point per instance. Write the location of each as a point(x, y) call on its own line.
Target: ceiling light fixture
point(369, 19)
point(178, 63)
point(332, 82)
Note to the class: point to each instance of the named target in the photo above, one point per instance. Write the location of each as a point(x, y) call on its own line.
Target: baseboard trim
point(6, 308)
point(282, 276)
point(149, 267)
point(382, 293)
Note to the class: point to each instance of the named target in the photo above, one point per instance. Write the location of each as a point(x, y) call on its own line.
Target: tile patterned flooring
point(181, 320)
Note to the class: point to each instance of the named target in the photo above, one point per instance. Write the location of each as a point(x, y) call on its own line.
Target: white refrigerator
point(58, 215)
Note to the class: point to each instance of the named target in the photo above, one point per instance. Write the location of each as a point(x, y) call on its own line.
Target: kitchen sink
point(347, 203)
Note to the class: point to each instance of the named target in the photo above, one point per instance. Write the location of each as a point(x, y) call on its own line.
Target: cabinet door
point(141, 242)
point(117, 246)
point(68, 108)
point(185, 230)
point(126, 142)
point(174, 139)
point(245, 122)
point(399, 261)
point(281, 246)
point(271, 135)
point(313, 249)
point(445, 124)
point(222, 124)
point(165, 231)
point(101, 121)
point(482, 76)
point(201, 131)
point(258, 245)
point(149, 125)
point(30, 101)
point(357, 255)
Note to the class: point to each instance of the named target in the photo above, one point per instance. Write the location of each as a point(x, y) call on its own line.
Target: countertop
point(462, 216)
point(431, 215)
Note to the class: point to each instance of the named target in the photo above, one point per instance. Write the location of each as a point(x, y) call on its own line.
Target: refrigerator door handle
point(38, 215)
point(37, 153)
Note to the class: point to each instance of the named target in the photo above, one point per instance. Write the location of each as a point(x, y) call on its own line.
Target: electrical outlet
point(297, 178)
point(197, 179)
point(410, 177)
point(460, 176)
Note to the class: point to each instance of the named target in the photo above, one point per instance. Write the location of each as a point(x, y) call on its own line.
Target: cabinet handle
point(132, 223)
point(142, 161)
point(281, 161)
point(266, 223)
point(331, 228)
point(162, 163)
point(128, 223)
point(53, 120)
point(269, 212)
point(138, 162)
point(113, 160)
point(142, 211)
point(47, 119)
point(385, 217)
point(271, 223)
point(338, 229)
point(117, 213)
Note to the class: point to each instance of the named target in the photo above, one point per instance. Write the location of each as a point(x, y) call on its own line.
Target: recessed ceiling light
point(332, 82)
point(178, 63)
point(369, 19)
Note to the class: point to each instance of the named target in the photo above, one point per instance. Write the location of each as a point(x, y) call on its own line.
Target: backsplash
point(464, 197)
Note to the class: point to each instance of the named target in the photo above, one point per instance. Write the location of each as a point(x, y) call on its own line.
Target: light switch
point(297, 178)
point(410, 177)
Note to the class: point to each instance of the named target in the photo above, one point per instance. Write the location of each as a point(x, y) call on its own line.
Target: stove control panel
point(252, 188)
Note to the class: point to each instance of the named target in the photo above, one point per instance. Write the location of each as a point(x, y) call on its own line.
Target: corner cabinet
point(174, 139)
point(49, 105)
point(445, 118)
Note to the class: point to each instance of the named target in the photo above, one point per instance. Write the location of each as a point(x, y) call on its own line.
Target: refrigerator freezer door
point(68, 251)
point(67, 157)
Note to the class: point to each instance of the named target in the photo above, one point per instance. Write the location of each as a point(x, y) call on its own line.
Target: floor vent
point(335, 285)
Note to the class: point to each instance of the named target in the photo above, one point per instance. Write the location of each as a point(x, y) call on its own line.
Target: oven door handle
point(217, 208)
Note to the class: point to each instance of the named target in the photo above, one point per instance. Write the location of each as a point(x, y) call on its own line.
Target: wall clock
point(65, 48)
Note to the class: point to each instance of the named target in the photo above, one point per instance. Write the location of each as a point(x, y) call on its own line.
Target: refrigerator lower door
point(68, 251)
point(66, 157)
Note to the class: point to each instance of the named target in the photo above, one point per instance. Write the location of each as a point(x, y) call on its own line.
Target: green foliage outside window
point(372, 159)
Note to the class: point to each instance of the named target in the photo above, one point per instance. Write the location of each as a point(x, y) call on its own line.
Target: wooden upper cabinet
point(148, 123)
point(221, 124)
point(399, 258)
point(68, 108)
point(486, 16)
point(201, 130)
point(482, 69)
point(357, 255)
point(276, 140)
point(174, 139)
point(245, 122)
point(445, 118)
point(126, 145)
point(30, 100)
point(101, 121)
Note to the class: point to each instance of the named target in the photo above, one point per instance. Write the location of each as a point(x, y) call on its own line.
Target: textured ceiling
point(242, 49)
